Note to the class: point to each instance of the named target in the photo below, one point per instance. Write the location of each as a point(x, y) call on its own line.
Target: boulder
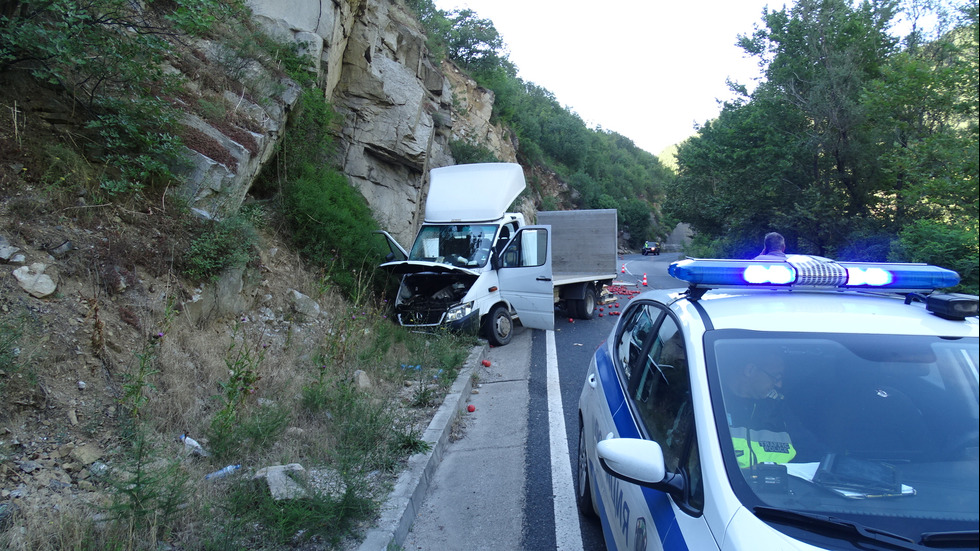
point(33, 280)
point(281, 486)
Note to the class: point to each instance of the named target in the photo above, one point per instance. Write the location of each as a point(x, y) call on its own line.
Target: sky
point(647, 69)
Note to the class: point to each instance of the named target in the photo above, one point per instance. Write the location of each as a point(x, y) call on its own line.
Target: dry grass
point(90, 334)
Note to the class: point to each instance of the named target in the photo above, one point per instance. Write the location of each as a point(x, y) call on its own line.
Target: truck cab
point(474, 267)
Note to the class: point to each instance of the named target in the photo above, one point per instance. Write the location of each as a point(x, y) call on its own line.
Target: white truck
point(474, 267)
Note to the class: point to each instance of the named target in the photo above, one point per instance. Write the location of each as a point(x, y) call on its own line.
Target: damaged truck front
point(473, 266)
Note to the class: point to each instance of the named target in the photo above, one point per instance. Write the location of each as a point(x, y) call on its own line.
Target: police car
point(798, 404)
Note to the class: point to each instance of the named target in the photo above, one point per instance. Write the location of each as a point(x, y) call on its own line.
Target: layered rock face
point(398, 108)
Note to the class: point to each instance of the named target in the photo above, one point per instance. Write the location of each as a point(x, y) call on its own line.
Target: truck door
point(397, 251)
point(525, 278)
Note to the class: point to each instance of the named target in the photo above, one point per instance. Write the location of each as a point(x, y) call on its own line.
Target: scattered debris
point(221, 473)
point(191, 447)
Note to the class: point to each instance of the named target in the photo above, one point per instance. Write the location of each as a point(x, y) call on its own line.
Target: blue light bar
point(902, 276)
point(801, 271)
point(714, 272)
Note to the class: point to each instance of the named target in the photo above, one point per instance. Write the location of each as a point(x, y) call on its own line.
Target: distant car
point(651, 247)
point(754, 410)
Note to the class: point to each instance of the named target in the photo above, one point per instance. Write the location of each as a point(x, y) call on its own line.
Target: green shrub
point(366, 435)
point(286, 522)
point(223, 244)
point(108, 57)
point(250, 430)
point(466, 153)
point(943, 245)
point(330, 220)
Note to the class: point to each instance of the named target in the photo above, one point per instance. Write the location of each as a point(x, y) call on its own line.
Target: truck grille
point(421, 319)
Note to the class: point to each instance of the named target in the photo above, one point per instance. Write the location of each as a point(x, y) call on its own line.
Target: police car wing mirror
point(633, 460)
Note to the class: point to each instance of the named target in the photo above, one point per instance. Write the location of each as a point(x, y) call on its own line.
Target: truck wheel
point(497, 326)
point(585, 307)
point(586, 505)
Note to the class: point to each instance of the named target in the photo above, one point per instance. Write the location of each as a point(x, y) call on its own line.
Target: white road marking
point(567, 533)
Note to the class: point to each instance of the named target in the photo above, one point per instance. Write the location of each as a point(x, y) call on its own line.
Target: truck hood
point(419, 266)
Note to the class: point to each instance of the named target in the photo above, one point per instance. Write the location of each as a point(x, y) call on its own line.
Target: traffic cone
point(623, 271)
point(644, 280)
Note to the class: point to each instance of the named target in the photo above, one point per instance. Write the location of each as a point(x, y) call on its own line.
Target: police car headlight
point(459, 312)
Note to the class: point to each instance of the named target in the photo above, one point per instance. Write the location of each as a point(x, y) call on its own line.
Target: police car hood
point(403, 267)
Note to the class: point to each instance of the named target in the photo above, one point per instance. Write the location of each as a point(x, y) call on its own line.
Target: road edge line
point(568, 533)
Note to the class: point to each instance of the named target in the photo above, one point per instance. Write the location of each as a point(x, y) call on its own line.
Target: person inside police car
point(757, 417)
point(774, 247)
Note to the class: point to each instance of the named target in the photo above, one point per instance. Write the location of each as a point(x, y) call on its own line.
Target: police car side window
point(639, 322)
point(661, 394)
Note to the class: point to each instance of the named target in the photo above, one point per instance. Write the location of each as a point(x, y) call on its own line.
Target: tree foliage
point(472, 41)
point(858, 144)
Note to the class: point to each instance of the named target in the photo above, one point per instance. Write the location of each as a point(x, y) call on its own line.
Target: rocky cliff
point(399, 111)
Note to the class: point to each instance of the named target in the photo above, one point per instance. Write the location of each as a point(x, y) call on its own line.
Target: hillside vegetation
point(263, 335)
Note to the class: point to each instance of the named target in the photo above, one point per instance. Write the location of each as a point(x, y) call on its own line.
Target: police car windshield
point(462, 245)
point(880, 429)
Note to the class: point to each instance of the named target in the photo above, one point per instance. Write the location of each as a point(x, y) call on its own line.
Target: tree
point(635, 215)
point(744, 174)
point(850, 140)
point(821, 55)
point(472, 41)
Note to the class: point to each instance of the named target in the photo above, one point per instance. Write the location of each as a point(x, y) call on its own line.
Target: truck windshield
point(875, 429)
point(463, 245)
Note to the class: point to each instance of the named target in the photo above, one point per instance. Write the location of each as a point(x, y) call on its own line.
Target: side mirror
point(639, 462)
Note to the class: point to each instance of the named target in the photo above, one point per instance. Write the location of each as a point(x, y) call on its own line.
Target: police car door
point(659, 398)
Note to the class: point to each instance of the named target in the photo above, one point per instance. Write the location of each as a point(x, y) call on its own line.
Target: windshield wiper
point(946, 539)
point(836, 527)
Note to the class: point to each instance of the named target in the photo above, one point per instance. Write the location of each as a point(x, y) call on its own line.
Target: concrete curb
point(400, 509)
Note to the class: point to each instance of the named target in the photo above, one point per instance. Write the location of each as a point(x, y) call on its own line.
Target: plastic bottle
point(222, 472)
point(192, 446)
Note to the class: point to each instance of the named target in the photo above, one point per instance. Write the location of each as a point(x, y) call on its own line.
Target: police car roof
point(824, 312)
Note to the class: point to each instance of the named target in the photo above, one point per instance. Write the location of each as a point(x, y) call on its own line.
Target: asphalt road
point(508, 483)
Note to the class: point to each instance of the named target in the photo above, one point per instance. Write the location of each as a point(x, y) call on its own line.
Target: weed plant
point(147, 488)
point(230, 424)
point(319, 515)
point(224, 244)
point(17, 370)
point(10, 334)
